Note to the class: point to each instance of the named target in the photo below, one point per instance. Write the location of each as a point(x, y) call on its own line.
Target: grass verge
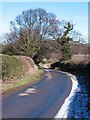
point(24, 81)
point(11, 67)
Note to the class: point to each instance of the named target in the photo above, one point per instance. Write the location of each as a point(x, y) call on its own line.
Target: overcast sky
point(77, 12)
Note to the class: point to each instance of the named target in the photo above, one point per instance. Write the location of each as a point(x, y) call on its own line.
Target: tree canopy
point(32, 27)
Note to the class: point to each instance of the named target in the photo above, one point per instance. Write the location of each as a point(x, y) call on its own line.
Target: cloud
point(74, 18)
point(79, 18)
point(65, 18)
point(57, 18)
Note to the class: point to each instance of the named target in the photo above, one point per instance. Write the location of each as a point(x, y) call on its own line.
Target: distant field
point(79, 63)
point(80, 58)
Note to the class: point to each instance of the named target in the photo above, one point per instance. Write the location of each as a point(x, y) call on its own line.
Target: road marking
point(48, 75)
point(28, 92)
point(31, 90)
point(23, 94)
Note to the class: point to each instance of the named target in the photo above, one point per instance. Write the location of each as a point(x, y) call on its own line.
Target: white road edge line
point(63, 111)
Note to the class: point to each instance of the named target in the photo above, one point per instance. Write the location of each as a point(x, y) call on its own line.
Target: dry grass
point(78, 58)
point(77, 64)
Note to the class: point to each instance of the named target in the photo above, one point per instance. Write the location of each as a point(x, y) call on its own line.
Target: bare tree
point(30, 28)
point(38, 22)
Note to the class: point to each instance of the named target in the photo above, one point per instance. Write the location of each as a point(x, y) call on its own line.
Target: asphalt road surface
point(40, 100)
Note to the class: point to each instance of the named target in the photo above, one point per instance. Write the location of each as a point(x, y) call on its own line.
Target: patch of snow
point(75, 105)
point(62, 113)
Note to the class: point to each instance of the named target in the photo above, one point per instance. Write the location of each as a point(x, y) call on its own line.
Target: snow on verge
point(63, 112)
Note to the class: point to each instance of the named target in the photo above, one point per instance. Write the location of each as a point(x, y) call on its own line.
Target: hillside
point(78, 48)
point(17, 71)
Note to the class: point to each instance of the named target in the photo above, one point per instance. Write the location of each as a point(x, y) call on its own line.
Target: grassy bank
point(18, 71)
point(21, 82)
point(11, 67)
